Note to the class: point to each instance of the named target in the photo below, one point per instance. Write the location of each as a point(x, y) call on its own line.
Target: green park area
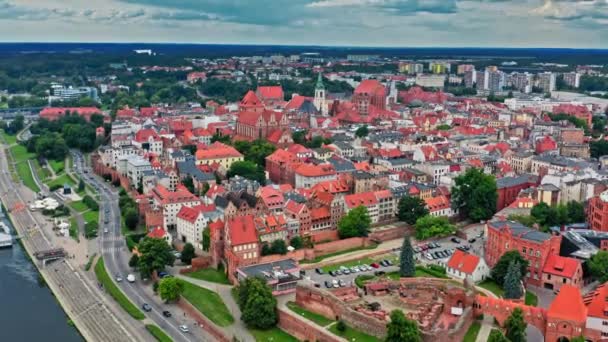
point(115, 292)
point(272, 335)
point(210, 274)
point(57, 165)
point(25, 174)
point(91, 216)
point(471, 335)
point(79, 206)
point(208, 303)
point(10, 139)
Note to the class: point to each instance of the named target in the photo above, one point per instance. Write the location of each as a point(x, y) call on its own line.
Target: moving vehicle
point(131, 278)
point(146, 307)
point(118, 278)
point(184, 328)
point(166, 313)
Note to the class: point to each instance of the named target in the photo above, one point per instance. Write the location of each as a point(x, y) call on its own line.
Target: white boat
point(6, 238)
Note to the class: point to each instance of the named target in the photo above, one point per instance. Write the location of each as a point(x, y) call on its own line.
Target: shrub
point(340, 326)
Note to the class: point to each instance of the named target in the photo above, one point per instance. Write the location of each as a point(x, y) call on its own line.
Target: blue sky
point(481, 23)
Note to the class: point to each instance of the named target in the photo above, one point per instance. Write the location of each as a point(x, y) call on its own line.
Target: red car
point(375, 265)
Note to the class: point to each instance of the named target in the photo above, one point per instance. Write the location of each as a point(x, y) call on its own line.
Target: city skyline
point(388, 23)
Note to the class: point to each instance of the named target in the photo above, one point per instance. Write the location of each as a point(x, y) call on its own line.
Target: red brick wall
point(323, 236)
point(389, 234)
point(303, 330)
point(501, 309)
point(339, 245)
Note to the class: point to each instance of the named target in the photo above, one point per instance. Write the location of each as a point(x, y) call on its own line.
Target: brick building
point(559, 271)
point(369, 93)
point(533, 245)
point(597, 212)
point(279, 166)
point(508, 188)
point(241, 246)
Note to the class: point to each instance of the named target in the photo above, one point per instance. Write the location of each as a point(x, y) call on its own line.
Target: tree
point(131, 218)
point(429, 226)
point(258, 305)
point(340, 326)
point(155, 254)
point(544, 214)
point(401, 329)
point(256, 151)
point(598, 266)
point(296, 242)
point(362, 131)
point(598, 148)
point(576, 212)
point(355, 223)
point(407, 267)
point(497, 336)
point(134, 261)
point(515, 326)
point(474, 195)
point(206, 239)
point(278, 247)
point(578, 339)
point(512, 284)
point(247, 169)
point(502, 266)
point(188, 254)
point(266, 250)
point(188, 182)
point(411, 209)
point(170, 289)
point(205, 189)
point(80, 186)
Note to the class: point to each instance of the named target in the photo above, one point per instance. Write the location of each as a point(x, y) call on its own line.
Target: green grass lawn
point(42, 173)
point(10, 139)
point(20, 153)
point(471, 335)
point(74, 229)
point(531, 299)
point(491, 286)
point(61, 180)
point(351, 334)
point(318, 319)
point(25, 174)
point(79, 206)
point(422, 271)
point(158, 333)
point(115, 292)
point(57, 165)
point(322, 257)
point(208, 303)
point(91, 216)
point(210, 274)
point(275, 335)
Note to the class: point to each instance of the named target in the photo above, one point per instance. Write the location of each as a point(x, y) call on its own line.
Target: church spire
point(320, 84)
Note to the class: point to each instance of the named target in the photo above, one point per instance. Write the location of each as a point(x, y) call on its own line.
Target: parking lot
point(440, 253)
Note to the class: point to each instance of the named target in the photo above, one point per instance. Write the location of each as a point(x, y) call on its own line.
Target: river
point(28, 310)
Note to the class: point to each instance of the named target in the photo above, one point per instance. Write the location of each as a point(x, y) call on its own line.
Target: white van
point(131, 278)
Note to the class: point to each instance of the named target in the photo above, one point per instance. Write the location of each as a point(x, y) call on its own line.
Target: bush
point(90, 230)
point(55, 187)
point(437, 268)
point(90, 202)
point(341, 326)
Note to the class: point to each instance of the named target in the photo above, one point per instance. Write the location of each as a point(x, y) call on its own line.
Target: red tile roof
point(463, 262)
point(181, 194)
point(217, 150)
point(53, 113)
point(597, 302)
point(242, 230)
point(143, 135)
point(251, 100)
point(157, 233)
point(310, 170)
point(561, 266)
point(320, 213)
point(568, 305)
point(370, 87)
point(364, 199)
point(270, 92)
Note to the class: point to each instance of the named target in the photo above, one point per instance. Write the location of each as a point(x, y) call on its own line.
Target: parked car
point(316, 284)
point(342, 283)
point(417, 249)
point(319, 271)
point(328, 284)
point(302, 272)
point(379, 273)
point(166, 313)
point(346, 271)
point(332, 273)
point(375, 265)
point(455, 240)
point(118, 278)
point(146, 307)
point(388, 262)
point(472, 240)
point(383, 263)
point(162, 274)
point(338, 272)
point(335, 283)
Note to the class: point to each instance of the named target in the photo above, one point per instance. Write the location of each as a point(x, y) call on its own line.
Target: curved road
point(113, 247)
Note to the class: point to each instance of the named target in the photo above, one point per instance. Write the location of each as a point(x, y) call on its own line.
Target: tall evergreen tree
point(407, 268)
point(512, 285)
point(515, 326)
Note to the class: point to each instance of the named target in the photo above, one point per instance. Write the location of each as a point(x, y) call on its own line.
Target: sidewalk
point(238, 328)
point(486, 327)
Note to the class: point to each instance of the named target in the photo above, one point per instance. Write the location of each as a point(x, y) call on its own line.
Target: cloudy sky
point(482, 23)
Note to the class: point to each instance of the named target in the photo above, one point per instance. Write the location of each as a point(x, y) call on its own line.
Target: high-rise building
point(495, 80)
point(463, 68)
point(410, 68)
point(470, 78)
point(521, 81)
point(572, 79)
point(546, 81)
point(439, 67)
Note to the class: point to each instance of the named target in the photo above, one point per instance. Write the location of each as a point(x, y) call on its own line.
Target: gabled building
point(463, 265)
point(241, 246)
point(192, 221)
point(218, 153)
point(560, 270)
point(171, 202)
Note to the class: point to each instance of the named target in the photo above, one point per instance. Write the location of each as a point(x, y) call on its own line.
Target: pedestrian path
point(486, 327)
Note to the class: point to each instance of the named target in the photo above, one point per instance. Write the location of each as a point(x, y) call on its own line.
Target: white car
point(131, 278)
point(118, 278)
point(184, 328)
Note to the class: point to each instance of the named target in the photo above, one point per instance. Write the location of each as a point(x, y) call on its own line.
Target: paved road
point(84, 305)
point(115, 254)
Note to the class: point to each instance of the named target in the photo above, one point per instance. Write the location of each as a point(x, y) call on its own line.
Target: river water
point(28, 310)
